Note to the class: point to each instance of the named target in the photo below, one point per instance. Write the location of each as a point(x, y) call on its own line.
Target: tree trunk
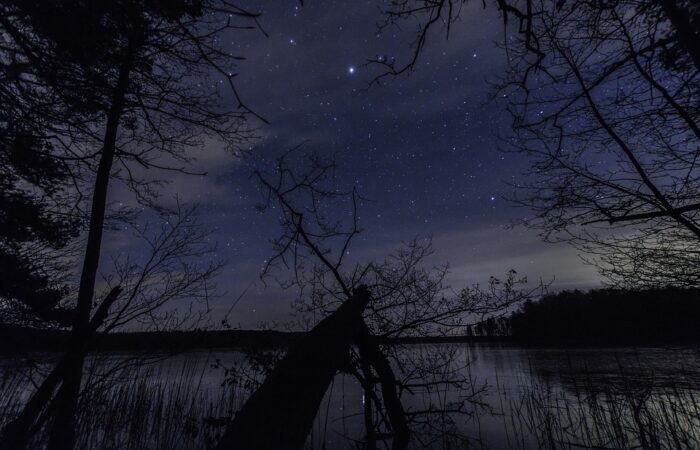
point(689, 37)
point(62, 435)
point(281, 411)
point(16, 434)
point(370, 351)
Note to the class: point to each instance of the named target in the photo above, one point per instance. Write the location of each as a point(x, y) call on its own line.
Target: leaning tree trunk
point(280, 413)
point(16, 434)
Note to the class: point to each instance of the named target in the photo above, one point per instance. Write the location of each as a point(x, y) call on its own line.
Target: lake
point(500, 396)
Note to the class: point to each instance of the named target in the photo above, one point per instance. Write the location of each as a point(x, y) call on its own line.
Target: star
point(351, 70)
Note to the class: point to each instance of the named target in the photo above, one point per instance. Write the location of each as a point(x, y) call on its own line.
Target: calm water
point(515, 397)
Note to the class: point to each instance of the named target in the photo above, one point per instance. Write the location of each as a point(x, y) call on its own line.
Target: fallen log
point(280, 413)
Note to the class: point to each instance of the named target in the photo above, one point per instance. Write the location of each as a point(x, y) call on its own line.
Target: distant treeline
point(18, 339)
point(609, 316)
point(596, 317)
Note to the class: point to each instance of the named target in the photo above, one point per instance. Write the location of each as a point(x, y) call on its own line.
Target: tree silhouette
point(141, 95)
point(609, 117)
point(610, 316)
point(604, 99)
point(35, 227)
point(362, 305)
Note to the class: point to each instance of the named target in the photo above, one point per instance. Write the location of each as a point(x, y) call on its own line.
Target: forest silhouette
point(104, 102)
point(610, 317)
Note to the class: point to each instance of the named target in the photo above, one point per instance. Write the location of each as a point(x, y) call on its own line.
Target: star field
point(421, 146)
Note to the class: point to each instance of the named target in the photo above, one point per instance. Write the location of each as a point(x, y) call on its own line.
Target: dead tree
point(281, 411)
point(363, 307)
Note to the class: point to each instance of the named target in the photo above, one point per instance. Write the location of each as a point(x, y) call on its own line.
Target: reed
point(185, 404)
point(141, 407)
point(604, 416)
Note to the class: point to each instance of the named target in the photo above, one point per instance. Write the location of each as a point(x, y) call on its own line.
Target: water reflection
point(677, 367)
point(513, 397)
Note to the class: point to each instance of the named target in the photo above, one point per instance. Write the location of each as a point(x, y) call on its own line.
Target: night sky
point(422, 147)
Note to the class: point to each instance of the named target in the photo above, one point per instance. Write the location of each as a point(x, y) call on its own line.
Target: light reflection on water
point(502, 418)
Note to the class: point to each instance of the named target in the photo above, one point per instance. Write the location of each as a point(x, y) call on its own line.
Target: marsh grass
point(141, 407)
point(186, 405)
point(616, 415)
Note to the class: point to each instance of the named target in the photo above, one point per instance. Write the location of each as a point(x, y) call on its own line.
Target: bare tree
point(362, 306)
point(143, 94)
point(609, 116)
point(176, 267)
point(604, 99)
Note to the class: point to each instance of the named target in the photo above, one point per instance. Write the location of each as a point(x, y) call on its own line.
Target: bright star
point(351, 70)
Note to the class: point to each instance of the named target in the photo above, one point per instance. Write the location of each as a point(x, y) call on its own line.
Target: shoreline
point(18, 340)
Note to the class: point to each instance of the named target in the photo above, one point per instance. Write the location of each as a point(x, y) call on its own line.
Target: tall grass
point(608, 416)
point(183, 405)
point(141, 407)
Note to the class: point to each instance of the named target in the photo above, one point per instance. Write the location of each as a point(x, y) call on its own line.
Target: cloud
point(475, 255)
